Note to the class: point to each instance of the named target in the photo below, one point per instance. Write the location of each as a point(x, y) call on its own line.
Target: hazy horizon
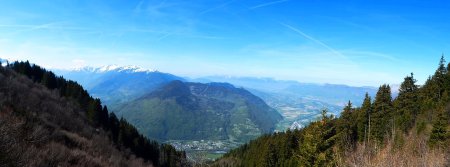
point(193, 78)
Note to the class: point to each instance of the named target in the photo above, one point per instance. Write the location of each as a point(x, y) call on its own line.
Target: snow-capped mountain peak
point(108, 68)
point(86, 68)
point(296, 125)
point(117, 68)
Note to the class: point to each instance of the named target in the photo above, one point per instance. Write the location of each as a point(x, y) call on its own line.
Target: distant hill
point(195, 111)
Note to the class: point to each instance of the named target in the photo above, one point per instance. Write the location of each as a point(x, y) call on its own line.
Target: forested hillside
point(410, 130)
point(196, 111)
point(46, 120)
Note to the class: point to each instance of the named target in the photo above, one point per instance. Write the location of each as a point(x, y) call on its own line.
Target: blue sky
point(347, 42)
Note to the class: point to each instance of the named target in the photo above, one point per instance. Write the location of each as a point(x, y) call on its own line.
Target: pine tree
point(439, 78)
point(346, 126)
point(316, 143)
point(271, 156)
point(407, 104)
point(363, 118)
point(49, 80)
point(435, 91)
point(441, 69)
point(94, 111)
point(439, 135)
point(114, 126)
point(381, 115)
point(103, 117)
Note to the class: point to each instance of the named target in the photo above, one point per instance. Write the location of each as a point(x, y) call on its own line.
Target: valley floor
point(204, 150)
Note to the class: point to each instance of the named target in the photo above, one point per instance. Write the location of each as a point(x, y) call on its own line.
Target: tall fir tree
point(317, 142)
point(407, 104)
point(439, 136)
point(347, 127)
point(271, 156)
point(382, 112)
point(363, 118)
point(439, 78)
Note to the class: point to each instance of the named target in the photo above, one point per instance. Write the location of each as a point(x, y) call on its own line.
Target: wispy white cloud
point(370, 54)
point(267, 4)
point(215, 7)
point(150, 8)
point(52, 26)
point(59, 26)
point(138, 7)
point(164, 36)
point(174, 18)
point(144, 30)
point(334, 51)
point(194, 36)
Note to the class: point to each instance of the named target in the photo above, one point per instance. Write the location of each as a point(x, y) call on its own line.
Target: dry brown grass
point(413, 152)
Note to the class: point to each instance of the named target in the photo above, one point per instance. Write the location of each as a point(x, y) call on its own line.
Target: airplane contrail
point(42, 26)
point(267, 4)
point(312, 39)
point(199, 14)
point(216, 7)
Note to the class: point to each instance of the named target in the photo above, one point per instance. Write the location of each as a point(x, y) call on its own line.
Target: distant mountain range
point(331, 93)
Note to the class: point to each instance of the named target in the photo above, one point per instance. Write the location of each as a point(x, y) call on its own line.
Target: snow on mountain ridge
point(296, 125)
point(86, 68)
point(109, 68)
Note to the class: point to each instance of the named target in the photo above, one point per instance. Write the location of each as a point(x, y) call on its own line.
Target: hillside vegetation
point(195, 111)
point(410, 130)
point(48, 121)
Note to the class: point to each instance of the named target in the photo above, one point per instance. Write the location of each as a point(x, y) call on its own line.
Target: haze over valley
point(295, 104)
